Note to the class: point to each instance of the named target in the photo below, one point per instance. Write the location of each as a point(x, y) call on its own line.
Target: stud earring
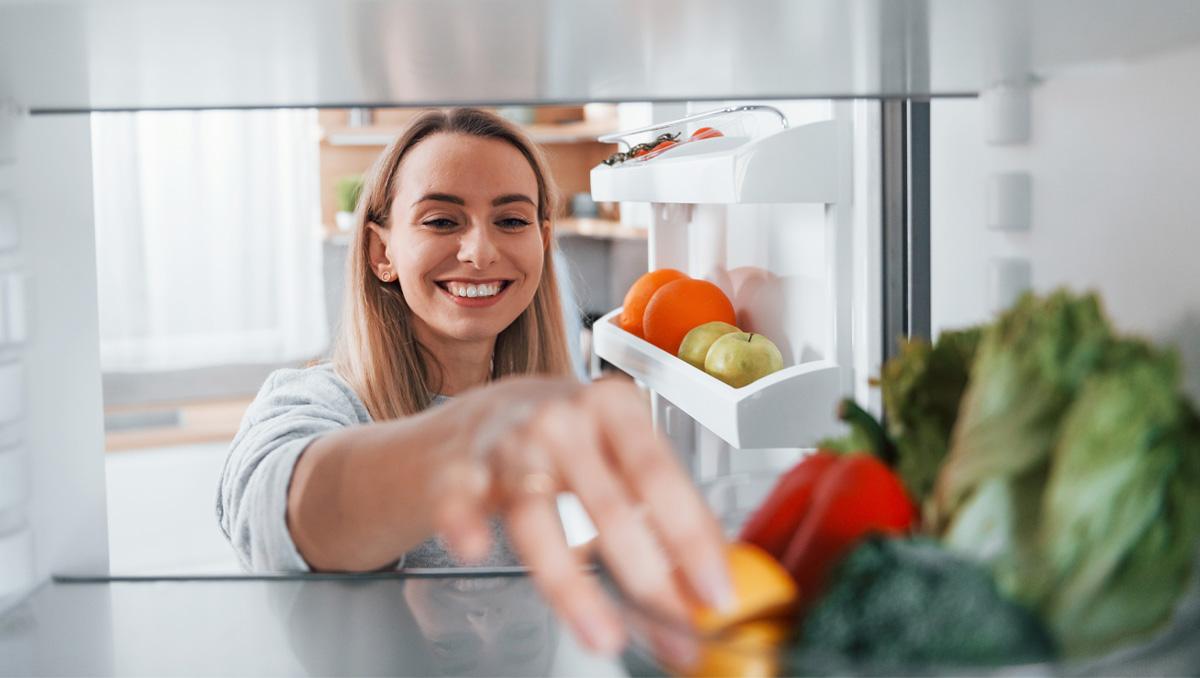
point(386, 276)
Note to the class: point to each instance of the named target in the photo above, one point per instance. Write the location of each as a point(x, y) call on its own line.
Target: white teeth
point(471, 291)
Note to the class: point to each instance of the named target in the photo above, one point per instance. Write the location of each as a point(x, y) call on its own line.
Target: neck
point(465, 364)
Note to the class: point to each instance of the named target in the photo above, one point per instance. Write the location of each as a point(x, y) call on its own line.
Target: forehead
point(473, 168)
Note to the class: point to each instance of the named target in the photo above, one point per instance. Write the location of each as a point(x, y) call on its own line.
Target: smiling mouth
point(473, 290)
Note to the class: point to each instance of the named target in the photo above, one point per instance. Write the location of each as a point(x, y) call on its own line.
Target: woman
point(449, 401)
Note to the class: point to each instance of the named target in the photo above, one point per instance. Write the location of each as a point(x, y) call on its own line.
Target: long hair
point(376, 350)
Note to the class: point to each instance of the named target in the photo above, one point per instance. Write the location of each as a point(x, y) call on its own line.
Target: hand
point(535, 437)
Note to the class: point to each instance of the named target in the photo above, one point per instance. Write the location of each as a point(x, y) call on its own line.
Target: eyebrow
point(502, 200)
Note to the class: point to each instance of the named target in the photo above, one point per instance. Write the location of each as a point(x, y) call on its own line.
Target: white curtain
point(208, 238)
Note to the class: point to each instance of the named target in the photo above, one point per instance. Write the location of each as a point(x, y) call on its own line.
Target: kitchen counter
point(489, 623)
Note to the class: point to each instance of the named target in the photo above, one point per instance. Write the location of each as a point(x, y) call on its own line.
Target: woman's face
point(463, 241)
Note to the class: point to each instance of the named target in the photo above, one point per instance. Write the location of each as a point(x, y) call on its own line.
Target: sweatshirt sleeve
point(291, 410)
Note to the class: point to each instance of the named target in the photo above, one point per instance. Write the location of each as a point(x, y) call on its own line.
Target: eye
point(513, 223)
point(439, 223)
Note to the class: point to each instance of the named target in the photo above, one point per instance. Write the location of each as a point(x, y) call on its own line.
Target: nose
point(476, 247)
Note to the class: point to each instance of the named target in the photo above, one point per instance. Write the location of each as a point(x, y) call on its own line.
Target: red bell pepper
point(819, 510)
point(857, 496)
point(772, 526)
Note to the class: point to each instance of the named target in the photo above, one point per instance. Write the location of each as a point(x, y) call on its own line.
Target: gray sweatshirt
point(292, 409)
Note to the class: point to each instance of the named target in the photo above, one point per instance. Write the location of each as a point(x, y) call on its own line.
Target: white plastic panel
point(12, 391)
point(14, 477)
point(1009, 201)
point(793, 407)
point(10, 234)
point(796, 165)
point(12, 305)
point(16, 562)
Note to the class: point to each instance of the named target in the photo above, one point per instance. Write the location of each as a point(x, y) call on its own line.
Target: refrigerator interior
point(1056, 156)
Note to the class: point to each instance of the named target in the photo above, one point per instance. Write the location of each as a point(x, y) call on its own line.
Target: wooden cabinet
point(568, 139)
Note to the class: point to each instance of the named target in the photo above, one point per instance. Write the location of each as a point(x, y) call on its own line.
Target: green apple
point(739, 358)
point(696, 343)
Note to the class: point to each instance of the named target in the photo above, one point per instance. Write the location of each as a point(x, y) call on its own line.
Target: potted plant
point(347, 189)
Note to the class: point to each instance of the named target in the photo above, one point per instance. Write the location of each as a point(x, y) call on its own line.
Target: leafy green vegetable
point(922, 387)
point(1121, 514)
point(1029, 366)
point(1072, 473)
point(905, 604)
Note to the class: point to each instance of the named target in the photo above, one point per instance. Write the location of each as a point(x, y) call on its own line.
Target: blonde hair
point(376, 350)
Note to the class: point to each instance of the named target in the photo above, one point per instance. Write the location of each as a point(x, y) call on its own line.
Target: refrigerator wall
point(1102, 194)
point(52, 502)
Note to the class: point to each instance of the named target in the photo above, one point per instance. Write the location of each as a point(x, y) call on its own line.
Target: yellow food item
point(746, 650)
point(762, 589)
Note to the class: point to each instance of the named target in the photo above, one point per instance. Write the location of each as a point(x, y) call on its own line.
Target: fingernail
point(598, 635)
point(714, 585)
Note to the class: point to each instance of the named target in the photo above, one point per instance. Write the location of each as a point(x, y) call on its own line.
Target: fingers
point(686, 526)
point(624, 537)
point(460, 514)
point(535, 531)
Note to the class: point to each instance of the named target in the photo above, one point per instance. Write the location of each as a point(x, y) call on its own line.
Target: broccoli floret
point(905, 604)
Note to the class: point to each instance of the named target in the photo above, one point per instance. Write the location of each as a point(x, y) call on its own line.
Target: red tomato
point(660, 148)
point(640, 152)
point(706, 133)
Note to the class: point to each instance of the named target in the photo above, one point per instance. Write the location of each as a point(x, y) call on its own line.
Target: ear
point(547, 234)
point(377, 249)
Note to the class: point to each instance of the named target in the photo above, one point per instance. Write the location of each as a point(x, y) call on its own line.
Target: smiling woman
point(448, 420)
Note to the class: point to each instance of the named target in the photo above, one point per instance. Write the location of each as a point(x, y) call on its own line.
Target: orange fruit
point(748, 650)
point(762, 589)
point(681, 305)
point(639, 295)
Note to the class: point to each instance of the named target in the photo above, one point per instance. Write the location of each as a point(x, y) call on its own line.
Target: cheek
point(530, 256)
point(418, 258)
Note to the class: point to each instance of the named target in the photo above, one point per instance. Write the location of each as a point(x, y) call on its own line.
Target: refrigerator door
point(786, 223)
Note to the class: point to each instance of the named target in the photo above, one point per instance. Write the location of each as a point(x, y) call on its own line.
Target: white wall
point(1114, 161)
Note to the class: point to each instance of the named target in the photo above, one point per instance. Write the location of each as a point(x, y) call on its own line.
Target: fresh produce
point(1029, 366)
point(899, 605)
point(705, 133)
point(774, 523)
point(828, 503)
point(678, 306)
point(742, 641)
point(922, 387)
point(1073, 471)
point(641, 150)
point(762, 589)
point(699, 339)
point(739, 358)
point(659, 150)
point(856, 497)
point(1121, 509)
point(748, 650)
point(639, 295)
point(662, 142)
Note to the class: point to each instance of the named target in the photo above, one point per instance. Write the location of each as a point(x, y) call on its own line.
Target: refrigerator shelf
point(795, 165)
point(793, 407)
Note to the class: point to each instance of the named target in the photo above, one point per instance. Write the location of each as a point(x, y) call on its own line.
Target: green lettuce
point(1072, 472)
point(1028, 368)
point(922, 387)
